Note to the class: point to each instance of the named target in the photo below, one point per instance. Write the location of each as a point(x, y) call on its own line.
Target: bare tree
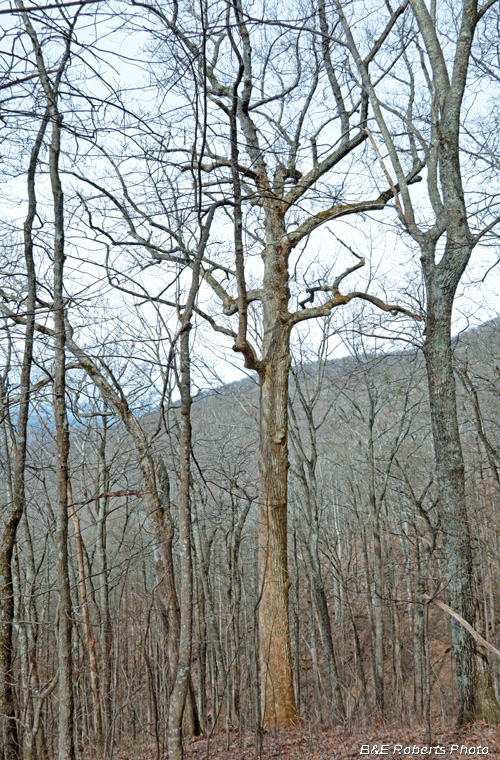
point(445, 236)
point(51, 92)
point(212, 213)
point(276, 201)
point(17, 493)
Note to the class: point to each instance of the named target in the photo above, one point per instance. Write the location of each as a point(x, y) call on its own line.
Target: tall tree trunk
point(418, 637)
point(64, 626)
point(182, 684)
point(66, 705)
point(8, 725)
point(377, 568)
point(277, 690)
point(106, 626)
point(296, 621)
point(164, 565)
point(34, 744)
point(338, 709)
point(180, 690)
point(89, 634)
point(476, 697)
point(9, 734)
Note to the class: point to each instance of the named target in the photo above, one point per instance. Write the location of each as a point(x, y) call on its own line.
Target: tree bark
point(476, 698)
point(8, 725)
point(182, 684)
point(65, 625)
point(277, 690)
point(446, 197)
point(377, 565)
point(180, 690)
point(89, 635)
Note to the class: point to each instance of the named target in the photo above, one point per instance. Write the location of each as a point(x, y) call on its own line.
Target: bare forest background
point(250, 372)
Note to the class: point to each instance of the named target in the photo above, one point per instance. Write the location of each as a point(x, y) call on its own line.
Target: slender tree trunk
point(106, 627)
point(338, 709)
point(34, 738)
point(66, 706)
point(296, 621)
point(418, 638)
point(378, 608)
point(8, 725)
point(180, 690)
point(307, 478)
point(369, 606)
point(316, 675)
point(203, 554)
point(201, 656)
point(324, 624)
point(164, 565)
point(89, 635)
point(182, 684)
point(64, 626)
point(359, 658)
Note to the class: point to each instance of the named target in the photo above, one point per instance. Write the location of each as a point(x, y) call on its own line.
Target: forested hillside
point(363, 536)
point(250, 376)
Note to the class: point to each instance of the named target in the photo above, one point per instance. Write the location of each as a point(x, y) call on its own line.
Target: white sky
point(390, 260)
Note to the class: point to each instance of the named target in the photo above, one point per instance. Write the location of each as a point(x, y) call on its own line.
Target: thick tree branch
point(338, 299)
point(345, 209)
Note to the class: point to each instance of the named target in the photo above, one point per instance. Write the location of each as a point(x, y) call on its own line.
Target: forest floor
point(395, 741)
point(341, 744)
